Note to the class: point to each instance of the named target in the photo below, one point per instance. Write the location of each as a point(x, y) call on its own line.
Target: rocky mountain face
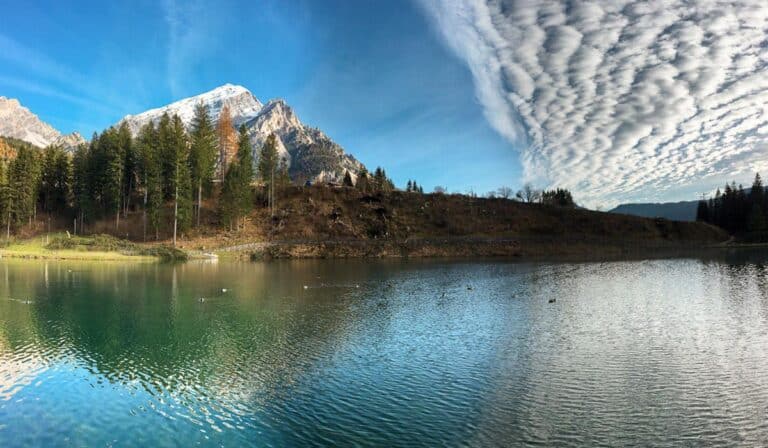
point(18, 122)
point(308, 152)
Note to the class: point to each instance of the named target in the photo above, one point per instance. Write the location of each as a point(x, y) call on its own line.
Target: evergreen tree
point(245, 171)
point(267, 168)
point(129, 174)
point(23, 181)
point(202, 157)
point(166, 151)
point(348, 179)
point(559, 197)
point(112, 151)
point(150, 175)
point(702, 211)
point(81, 186)
point(180, 182)
point(409, 186)
point(54, 179)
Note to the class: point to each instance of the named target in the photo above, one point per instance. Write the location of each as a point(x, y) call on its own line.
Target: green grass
point(96, 247)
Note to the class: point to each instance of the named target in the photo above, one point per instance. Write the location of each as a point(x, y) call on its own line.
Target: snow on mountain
point(18, 122)
point(242, 106)
point(308, 152)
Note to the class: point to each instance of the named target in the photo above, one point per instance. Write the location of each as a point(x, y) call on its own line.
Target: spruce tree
point(128, 153)
point(267, 168)
point(181, 184)
point(81, 187)
point(202, 157)
point(245, 171)
point(150, 175)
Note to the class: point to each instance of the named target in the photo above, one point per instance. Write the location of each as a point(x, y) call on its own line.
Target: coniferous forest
point(739, 211)
point(165, 172)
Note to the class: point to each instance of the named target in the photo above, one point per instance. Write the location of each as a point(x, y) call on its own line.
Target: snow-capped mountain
point(18, 122)
point(309, 153)
point(242, 106)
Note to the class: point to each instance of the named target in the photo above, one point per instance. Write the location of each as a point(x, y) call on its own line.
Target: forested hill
point(676, 211)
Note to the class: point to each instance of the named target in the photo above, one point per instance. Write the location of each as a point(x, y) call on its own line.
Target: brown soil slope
point(344, 222)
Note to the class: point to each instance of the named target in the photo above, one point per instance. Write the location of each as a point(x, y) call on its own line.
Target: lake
point(385, 353)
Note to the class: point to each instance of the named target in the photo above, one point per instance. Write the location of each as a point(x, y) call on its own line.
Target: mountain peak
point(240, 101)
point(309, 153)
point(18, 122)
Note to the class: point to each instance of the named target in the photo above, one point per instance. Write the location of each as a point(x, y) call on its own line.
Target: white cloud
point(617, 99)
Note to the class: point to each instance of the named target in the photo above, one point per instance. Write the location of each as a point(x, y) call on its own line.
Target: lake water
point(424, 353)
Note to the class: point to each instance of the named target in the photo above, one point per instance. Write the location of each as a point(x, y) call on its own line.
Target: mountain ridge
point(308, 152)
point(17, 121)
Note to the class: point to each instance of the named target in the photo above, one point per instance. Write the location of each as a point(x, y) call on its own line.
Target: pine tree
point(54, 179)
point(81, 186)
point(128, 153)
point(167, 155)
point(202, 157)
point(267, 167)
point(348, 179)
point(181, 184)
point(112, 152)
point(150, 177)
point(23, 181)
point(245, 172)
point(409, 186)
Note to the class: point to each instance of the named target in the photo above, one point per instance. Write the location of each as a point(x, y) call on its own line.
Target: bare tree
point(440, 190)
point(528, 194)
point(504, 192)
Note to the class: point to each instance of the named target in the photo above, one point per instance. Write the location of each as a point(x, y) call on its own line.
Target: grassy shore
point(60, 246)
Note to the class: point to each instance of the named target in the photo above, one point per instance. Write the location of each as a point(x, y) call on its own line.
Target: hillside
point(344, 222)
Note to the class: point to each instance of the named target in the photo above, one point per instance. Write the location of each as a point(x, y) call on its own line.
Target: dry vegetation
point(344, 222)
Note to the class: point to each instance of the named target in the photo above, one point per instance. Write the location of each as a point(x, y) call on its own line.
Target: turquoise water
point(668, 352)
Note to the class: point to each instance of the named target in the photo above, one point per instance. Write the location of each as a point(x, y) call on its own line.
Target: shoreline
point(530, 248)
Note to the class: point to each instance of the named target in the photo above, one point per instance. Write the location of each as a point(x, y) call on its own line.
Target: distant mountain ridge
point(17, 121)
point(309, 153)
point(676, 211)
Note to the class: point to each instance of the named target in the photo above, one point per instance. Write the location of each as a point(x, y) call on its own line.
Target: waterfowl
point(552, 300)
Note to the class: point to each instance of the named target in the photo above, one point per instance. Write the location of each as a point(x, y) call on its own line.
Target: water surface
point(667, 353)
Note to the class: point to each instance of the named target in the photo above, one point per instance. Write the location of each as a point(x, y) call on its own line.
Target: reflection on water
point(664, 352)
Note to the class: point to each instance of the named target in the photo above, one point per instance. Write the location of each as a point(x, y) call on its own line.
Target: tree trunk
point(144, 220)
point(175, 215)
point(199, 200)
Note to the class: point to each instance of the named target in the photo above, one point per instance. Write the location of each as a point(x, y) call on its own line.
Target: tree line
point(736, 210)
point(116, 173)
point(165, 172)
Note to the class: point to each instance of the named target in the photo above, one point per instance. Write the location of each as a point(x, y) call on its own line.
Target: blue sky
point(374, 75)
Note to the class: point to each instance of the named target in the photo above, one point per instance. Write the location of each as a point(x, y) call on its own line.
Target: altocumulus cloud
point(615, 99)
